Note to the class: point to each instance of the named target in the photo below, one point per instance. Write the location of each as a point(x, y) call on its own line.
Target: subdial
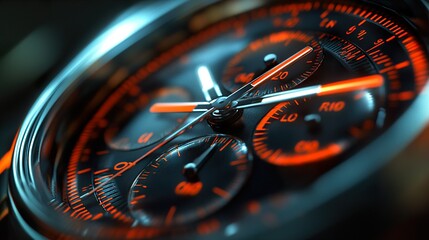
point(190, 181)
point(264, 53)
point(313, 130)
point(137, 127)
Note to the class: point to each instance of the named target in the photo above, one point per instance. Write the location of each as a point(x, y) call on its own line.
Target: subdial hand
point(190, 170)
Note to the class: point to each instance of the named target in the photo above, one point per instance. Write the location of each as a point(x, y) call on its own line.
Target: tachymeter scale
point(190, 181)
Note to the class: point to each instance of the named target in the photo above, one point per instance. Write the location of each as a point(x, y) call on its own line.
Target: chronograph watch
point(216, 119)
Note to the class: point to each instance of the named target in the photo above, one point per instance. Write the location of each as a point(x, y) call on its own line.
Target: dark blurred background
point(37, 39)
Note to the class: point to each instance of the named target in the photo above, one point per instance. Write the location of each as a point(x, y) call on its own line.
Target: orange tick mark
point(170, 215)
point(222, 193)
point(84, 171)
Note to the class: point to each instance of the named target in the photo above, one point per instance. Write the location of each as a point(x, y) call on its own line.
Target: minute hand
point(367, 82)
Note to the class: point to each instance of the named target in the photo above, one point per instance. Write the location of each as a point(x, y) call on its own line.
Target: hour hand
point(173, 107)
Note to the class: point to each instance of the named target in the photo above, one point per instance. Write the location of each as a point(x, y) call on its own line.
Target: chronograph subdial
point(264, 53)
point(318, 129)
point(130, 130)
point(190, 181)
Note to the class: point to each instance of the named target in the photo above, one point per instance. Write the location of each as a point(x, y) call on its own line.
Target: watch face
point(219, 119)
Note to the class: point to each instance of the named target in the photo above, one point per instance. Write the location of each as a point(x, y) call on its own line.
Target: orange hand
point(6, 160)
point(371, 81)
point(180, 107)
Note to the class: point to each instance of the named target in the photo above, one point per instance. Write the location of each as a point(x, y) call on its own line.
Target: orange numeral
point(145, 137)
point(328, 23)
point(280, 75)
point(185, 188)
point(332, 106)
point(122, 165)
point(289, 118)
point(307, 146)
point(244, 78)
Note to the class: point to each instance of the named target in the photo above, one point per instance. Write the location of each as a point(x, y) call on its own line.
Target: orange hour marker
point(5, 161)
point(136, 199)
point(253, 207)
point(170, 215)
point(101, 171)
point(402, 96)
point(359, 96)
point(104, 152)
point(7, 157)
point(84, 171)
point(96, 217)
point(220, 192)
point(390, 39)
point(401, 65)
point(238, 162)
point(145, 137)
point(362, 22)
